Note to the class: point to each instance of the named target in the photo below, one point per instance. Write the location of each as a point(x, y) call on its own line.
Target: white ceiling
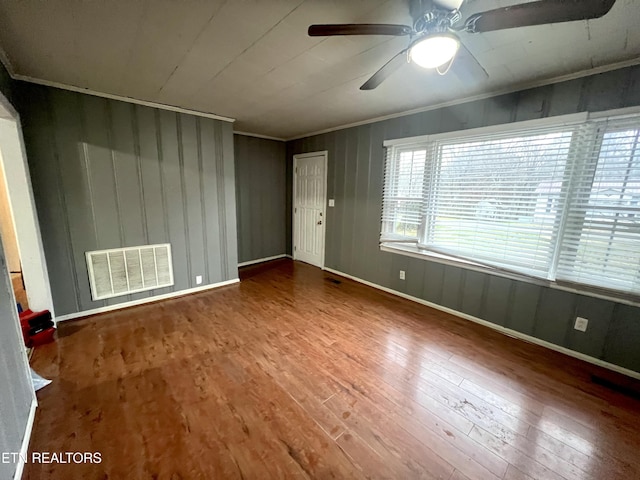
point(253, 61)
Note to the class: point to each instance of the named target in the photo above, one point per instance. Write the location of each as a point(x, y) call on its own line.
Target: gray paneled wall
point(110, 174)
point(353, 225)
point(260, 197)
point(15, 385)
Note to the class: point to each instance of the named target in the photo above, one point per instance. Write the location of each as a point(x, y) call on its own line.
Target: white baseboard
point(24, 449)
point(261, 260)
point(142, 301)
point(506, 331)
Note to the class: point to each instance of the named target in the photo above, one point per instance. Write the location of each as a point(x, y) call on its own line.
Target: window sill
point(412, 251)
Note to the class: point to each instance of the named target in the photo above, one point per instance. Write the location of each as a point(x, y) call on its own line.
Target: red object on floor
point(30, 321)
point(45, 336)
point(31, 317)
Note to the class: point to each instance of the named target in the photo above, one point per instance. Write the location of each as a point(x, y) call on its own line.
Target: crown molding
point(258, 135)
point(4, 59)
point(162, 106)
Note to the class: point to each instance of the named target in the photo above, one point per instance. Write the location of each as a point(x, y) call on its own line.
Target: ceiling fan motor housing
point(434, 19)
point(417, 8)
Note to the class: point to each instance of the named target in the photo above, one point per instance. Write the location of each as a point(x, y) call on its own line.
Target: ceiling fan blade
point(359, 29)
point(385, 72)
point(537, 13)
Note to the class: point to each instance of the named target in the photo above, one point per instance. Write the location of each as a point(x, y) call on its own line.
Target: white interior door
point(310, 192)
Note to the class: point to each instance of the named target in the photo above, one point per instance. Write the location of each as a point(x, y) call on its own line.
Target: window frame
point(412, 249)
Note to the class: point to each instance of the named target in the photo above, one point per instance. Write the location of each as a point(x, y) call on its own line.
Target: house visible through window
point(555, 201)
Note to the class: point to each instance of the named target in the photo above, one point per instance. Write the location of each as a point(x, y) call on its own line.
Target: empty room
point(269, 239)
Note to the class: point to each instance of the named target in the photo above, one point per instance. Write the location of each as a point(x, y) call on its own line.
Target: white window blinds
point(601, 245)
point(558, 202)
point(403, 194)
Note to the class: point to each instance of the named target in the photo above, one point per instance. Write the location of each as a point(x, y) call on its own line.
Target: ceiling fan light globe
point(434, 51)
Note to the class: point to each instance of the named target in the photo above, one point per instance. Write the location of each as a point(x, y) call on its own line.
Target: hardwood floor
point(290, 375)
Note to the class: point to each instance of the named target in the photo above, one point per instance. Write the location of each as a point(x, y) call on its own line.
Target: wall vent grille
point(121, 271)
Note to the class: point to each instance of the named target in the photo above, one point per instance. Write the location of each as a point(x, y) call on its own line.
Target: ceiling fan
point(433, 40)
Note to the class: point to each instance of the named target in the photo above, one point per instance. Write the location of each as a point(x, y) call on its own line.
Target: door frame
point(23, 209)
point(325, 154)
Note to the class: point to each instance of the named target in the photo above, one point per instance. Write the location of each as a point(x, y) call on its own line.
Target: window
point(601, 245)
point(557, 200)
point(403, 202)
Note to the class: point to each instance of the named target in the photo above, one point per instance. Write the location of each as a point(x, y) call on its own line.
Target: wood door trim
point(325, 154)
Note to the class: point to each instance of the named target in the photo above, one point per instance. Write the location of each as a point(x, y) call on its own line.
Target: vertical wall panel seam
point(137, 152)
point(239, 154)
point(112, 150)
point(546, 104)
point(339, 209)
point(158, 126)
point(567, 334)
point(443, 272)
point(483, 296)
point(183, 194)
point(222, 218)
point(87, 164)
point(610, 332)
point(510, 304)
point(585, 85)
point(370, 208)
point(202, 198)
point(462, 285)
point(246, 207)
point(345, 164)
point(353, 133)
point(513, 115)
point(625, 89)
point(283, 198)
point(536, 310)
point(261, 217)
point(63, 201)
point(329, 218)
point(136, 149)
point(87, 167)
point(354, 224)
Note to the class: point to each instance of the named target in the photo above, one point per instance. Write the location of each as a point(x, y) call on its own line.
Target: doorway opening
point(309, 207)
point(22, 239)
point(10, 243)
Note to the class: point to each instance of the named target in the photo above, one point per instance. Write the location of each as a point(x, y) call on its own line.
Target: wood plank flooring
point(290, 375)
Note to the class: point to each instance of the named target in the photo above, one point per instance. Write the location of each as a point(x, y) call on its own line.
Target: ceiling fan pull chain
point(448, 67)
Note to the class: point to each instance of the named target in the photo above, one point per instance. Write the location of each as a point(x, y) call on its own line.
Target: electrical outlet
point(581, 324)
point(401, 274)
point(198, 279)
point(332, 202)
